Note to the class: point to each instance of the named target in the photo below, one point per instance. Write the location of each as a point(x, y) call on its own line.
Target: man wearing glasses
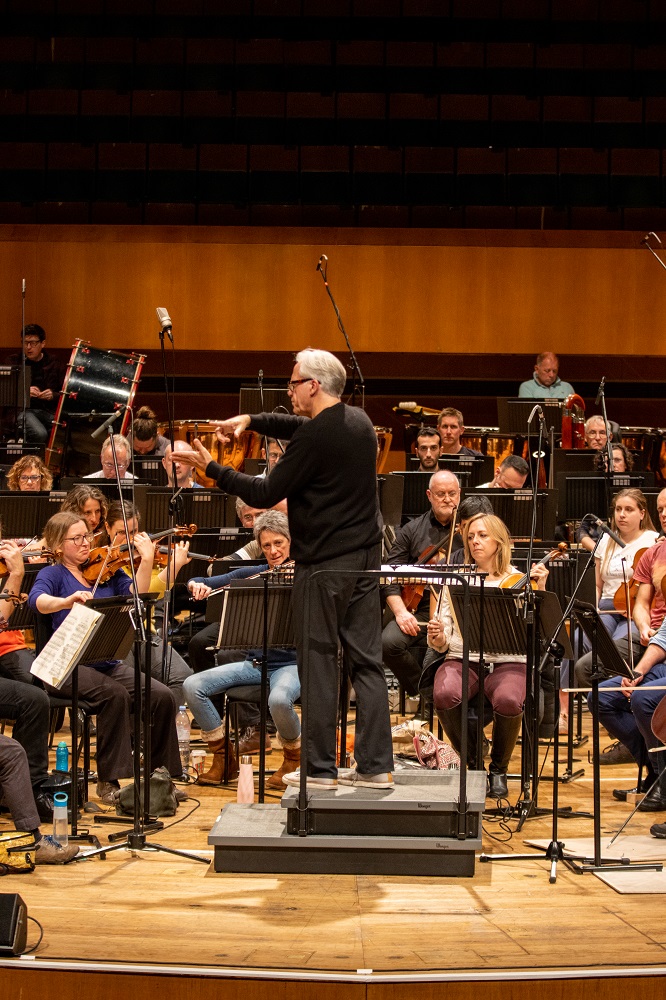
point(45, 384)
point(123, 454)
point(328, 477)
point(404, 640)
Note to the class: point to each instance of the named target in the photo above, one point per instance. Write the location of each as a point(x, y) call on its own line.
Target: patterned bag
point(435, 754)
point(16, 853)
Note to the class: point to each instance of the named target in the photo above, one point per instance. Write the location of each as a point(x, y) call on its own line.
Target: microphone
point(537, 409)
point(601, 391)
point(607, 531)
point(107, 423)
point(165, 322)
point(23, 288)
point(646, 238)
point(323, 258)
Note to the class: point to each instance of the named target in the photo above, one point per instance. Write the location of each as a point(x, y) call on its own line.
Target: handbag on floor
point(16, 853)
point(163, 800)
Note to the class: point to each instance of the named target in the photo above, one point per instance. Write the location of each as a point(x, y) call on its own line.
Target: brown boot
point(215, 774)
point(290, 761)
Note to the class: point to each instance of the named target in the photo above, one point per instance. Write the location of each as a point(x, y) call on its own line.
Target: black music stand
point(604, 649)
point(513, 413)
point(125, 632)
point(514, 507)
point(257, 614)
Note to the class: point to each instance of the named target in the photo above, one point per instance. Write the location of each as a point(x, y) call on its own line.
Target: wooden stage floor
point(507, 921)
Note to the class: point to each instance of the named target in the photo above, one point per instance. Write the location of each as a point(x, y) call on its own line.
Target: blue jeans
point(284, 685)
point(629, 719)
point(38, 424)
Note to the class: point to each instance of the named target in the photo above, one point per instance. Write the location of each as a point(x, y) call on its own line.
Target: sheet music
point(63, 650)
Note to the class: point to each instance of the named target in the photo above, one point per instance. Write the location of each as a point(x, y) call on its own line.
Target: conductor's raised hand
point(233, 427)
point(198, 456)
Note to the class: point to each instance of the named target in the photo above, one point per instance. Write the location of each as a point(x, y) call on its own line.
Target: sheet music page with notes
point(62, 652)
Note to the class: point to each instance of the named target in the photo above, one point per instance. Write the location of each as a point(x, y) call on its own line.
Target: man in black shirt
point(451, 427)
point(328, 477)
point(404, 640)
point(45, 384)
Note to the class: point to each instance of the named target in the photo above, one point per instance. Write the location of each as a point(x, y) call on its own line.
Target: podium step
point(409, 829)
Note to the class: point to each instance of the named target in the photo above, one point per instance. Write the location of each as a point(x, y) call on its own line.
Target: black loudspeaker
point(13, 924)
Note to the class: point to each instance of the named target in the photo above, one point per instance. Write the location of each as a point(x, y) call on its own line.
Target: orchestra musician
point(328, 475)
point(123, 455)
point(404, 639)
point(488, 545)
point(29, 475)
point(588, 532)
point(428, 449)
point(89, 502)
point(271, 531)
point(184, 477)
point(509, 474)
point(146, 439)
point(596, 433)
point(451, 427)
point(45, 384)
point(545, 382)
point(109, 687)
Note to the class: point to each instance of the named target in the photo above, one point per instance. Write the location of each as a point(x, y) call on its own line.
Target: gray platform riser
point(445, 864)
point(383, 824)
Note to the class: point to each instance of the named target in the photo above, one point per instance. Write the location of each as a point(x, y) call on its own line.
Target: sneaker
point(107, 792)
point(313, 781)
point(249, 742)
point(383, 780)
point(616, 753)
point(50, 852)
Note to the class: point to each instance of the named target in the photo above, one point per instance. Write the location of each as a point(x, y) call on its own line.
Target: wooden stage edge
point(106, 982)
point(102, 981)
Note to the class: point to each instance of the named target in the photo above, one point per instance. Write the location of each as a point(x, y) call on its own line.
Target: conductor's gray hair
point(325, 368)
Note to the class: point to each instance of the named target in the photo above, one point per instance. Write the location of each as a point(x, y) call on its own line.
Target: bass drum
point(97, 384)
point(233, 454)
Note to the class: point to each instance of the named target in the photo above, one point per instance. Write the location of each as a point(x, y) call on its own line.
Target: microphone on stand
point(165, 322)
point(23, 288)
point(608, 531)
point(323, 258)
point(647, 236)
point(601, 391)
point(107, 423)
point(536, 409)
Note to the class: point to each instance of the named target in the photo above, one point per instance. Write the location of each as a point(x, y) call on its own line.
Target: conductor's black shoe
point(659, 830)
point(654, 802)
point(621, 794)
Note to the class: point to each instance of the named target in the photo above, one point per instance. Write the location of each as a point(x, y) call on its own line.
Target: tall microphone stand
point(608, 470)
point(24, 430)
point(174, 501)
point(359, 384)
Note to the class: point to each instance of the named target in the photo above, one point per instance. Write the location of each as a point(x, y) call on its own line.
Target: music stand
point(514, 507)
point(25, 514)
point(583, 494)
point(512, 414)
point(604, 650)
point(257, 614)
point(268, 399)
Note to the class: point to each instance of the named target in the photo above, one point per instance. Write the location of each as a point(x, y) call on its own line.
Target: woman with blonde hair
point(487, 545)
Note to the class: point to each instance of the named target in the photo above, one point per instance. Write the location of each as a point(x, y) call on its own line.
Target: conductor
point(328, 476)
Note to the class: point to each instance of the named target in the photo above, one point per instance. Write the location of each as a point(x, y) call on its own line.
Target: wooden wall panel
point(257, 290)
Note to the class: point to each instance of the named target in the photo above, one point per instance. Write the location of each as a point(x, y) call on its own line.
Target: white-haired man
point(329, 480)
point(123, 455)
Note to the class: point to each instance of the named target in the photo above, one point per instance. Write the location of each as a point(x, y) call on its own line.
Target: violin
point(30, 556)
point(516, 581)
point(625, 595)
point(105, 560)
point(412, 593)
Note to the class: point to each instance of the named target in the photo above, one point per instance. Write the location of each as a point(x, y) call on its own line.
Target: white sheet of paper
point(61, 653)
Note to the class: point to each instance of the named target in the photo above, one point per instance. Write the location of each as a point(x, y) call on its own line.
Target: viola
point(625, 595)
point(105, 560)
point(412, 593)
point(516, 581)
point(30, 556)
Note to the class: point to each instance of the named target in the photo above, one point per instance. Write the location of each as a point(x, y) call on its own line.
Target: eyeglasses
point(445, 494)
point(32, 343)
point(80, 539)
point(297, 381)
point(110, 465)
point(29, 479)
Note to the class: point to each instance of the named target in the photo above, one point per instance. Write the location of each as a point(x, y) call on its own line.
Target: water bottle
point(183, 730)
point(62, 757)
point(60, 826)
point(245, 790)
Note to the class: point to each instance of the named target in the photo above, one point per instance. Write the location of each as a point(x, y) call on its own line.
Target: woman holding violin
point(110, 685)
point(487, 544)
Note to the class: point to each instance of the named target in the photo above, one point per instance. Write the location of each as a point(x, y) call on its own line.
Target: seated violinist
point(403, 639)
point(108, 686)
point(90, 503)
point(488, 545)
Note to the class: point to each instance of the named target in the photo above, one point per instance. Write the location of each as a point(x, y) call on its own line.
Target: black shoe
point(621, 794)
point(44, 803)
point(659, 831)
point(654, 802)
point(497, 785)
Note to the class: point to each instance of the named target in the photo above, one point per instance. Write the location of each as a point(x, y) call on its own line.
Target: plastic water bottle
point(60, 826)
point(183, 730)
point(62, 757)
